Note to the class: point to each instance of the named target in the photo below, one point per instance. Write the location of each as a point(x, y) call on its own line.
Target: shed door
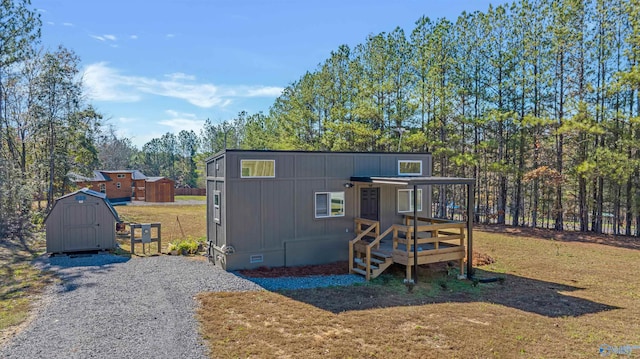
point(80, 226)
point(370, 203)
point(164, 192)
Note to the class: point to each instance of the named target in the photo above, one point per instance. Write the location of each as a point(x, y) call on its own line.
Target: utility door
point(81, 227)
point(370, 203)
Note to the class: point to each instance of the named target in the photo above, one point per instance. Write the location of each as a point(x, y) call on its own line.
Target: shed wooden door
point(81, 226)
point(370, 203)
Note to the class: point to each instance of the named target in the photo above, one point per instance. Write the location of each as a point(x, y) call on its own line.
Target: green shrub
point(188, 246)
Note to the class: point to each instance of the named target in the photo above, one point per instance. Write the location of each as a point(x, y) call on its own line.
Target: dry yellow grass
point(20, 283)
point(178, 222)
point(559, 300)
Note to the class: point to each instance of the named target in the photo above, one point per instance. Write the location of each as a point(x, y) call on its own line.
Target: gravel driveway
point(114, 307)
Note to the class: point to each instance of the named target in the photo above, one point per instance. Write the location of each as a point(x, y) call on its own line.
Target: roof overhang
point(413, 181)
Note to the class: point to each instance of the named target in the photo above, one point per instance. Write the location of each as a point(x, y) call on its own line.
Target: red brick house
point(127, 185)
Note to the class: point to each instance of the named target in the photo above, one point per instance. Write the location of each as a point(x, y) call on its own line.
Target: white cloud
point(182, 121)
point(139, 139)
point(177, 76)
point(170, 36)
point(133, 37)
point(50, 23)
point(269, 91)
point(179, 124)
point(174, 113)
point(106, 37)
point(126, 119)
point(107, 84)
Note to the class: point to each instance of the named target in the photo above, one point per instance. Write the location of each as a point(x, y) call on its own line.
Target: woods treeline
point(538, 101)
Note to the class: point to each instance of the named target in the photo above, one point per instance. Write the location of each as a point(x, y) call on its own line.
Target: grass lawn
point(559, 299)
point(190, 198)
point(178, 222)
point(20, 283)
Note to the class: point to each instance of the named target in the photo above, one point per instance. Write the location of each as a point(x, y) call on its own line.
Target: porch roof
point(421, 181)
point(410, 180)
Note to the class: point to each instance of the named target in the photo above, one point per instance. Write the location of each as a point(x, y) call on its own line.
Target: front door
point(370, 203)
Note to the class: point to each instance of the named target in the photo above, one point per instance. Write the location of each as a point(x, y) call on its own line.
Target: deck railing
point(443, 240)
point(435, 233)
point(373, 227)
point(356, 245)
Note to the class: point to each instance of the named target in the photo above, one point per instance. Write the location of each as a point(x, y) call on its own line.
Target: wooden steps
point(378, 262)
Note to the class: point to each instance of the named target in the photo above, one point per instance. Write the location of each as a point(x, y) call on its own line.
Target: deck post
point(415, 234)
point(470, 217)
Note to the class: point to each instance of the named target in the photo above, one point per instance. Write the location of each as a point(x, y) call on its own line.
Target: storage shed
point(159, 189)
point(81, 221)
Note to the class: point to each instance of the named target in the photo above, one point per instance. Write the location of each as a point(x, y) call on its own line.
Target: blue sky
point(164, 66)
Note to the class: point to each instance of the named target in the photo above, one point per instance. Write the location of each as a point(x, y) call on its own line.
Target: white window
point(103, 188)
point(405, 200)
point(257, 168)
point(216, 206)
point(329, 204)
point(409, 168)
point(118, 185)
point(120, 175)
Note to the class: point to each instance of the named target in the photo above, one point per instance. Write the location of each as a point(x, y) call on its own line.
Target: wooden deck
point(371, 252)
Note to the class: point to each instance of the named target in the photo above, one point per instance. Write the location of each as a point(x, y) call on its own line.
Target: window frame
point(261, 160)
point(328, 204)
point(102, 187)
point(410, 190)
point(118, 185)
point(121, 175)
point(400, 162)
point(217, 199)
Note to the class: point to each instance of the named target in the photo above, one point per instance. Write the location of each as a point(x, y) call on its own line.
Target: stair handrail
point(352, 242)
point(371, 245)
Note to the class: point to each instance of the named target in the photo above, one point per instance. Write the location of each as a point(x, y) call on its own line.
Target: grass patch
point(558, 299)
point(190, 198)
point(178, 222)
point(20, 282)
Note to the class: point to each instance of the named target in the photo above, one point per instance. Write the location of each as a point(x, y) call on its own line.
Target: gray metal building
point(81, 221)
point(288, 208)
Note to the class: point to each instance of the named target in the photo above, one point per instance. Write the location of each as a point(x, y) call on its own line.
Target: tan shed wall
point(74, 226)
